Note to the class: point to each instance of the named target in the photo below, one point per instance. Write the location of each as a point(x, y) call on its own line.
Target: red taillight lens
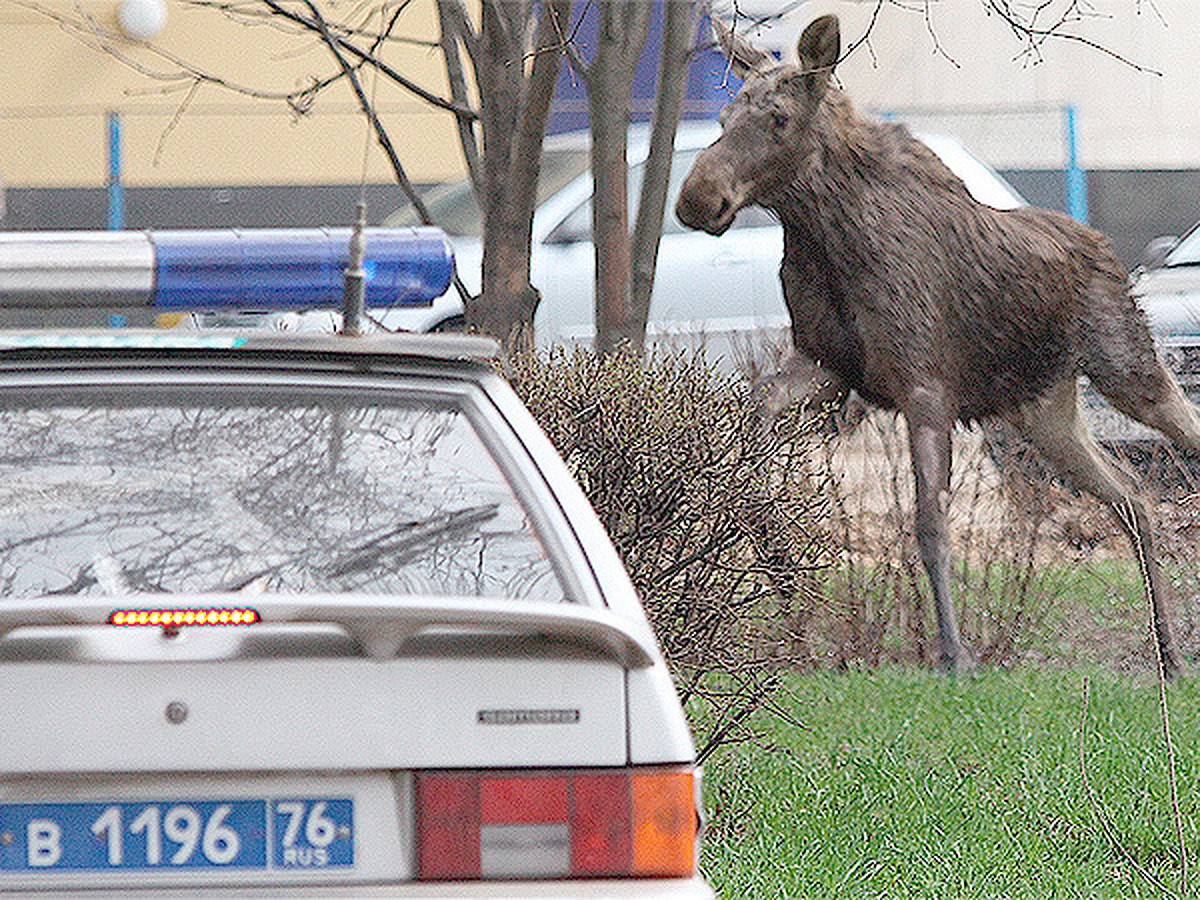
point(581, 824)
point(448, 825)
point(602, 824)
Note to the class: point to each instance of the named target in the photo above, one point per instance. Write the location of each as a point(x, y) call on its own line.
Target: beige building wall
point(64, 64)
point(1136, 103)
point(1130, 72)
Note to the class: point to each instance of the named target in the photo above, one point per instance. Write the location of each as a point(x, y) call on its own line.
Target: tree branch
point(368, 110)
point(90, 32)
point(318, 24)
point(455, 28)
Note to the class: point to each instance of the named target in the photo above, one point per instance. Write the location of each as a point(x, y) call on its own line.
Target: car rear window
point(208, 489)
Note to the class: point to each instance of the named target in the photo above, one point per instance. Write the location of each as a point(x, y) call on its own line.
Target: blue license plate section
point(276, 834)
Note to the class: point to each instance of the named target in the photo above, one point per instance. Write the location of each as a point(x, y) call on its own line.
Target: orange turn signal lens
point(177, 618)
point(665, 823)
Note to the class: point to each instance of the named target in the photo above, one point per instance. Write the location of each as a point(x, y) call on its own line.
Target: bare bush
point(721, 522)
point(758, 551)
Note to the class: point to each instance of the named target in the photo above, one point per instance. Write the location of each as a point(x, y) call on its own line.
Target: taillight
point(596, 823)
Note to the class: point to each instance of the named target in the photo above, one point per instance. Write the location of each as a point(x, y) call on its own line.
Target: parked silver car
point(298, 614)
point(1169, 291)
point(723, 292)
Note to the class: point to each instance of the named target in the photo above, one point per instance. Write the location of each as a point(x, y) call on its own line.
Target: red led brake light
point(178, 618)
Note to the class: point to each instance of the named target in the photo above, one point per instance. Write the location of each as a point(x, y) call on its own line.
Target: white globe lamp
point(142, 20)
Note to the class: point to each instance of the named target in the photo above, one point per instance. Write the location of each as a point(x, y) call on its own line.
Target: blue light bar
point(301, 268)
point(252, 269)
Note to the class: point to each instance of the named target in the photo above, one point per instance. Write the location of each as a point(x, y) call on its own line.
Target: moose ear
point(820, 45)
point(743, 55)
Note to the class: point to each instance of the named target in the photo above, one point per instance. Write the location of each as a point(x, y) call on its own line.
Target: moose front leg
point(929, 444)
point(801, 381)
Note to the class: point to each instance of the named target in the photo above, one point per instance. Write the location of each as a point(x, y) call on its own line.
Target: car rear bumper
point(642, 889)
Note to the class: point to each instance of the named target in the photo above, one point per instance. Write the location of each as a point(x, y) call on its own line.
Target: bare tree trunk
point(609, 80)
point(678, 34)
point(516, 83)
point(506, 300)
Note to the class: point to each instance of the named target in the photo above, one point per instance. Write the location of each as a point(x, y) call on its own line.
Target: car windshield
point(453, 206)
point(209, 490)
point(1187, 251)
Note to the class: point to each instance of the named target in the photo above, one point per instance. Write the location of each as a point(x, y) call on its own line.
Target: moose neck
point(825, 209)
point(833, 166)
point(856, 180)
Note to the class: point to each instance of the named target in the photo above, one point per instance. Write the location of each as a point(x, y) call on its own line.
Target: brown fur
point(903, 288)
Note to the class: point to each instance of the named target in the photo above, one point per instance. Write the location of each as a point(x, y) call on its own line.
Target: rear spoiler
point(380, 624)
point(195, 270)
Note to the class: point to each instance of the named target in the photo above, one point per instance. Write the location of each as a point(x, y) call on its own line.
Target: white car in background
point(1169, 288)
point(723, 292)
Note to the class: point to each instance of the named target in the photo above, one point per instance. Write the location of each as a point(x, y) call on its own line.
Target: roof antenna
point(354, 295)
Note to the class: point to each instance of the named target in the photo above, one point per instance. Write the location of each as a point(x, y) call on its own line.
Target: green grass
point(903, 783)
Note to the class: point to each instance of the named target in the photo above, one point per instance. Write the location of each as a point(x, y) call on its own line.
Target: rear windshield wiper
point(406, 537)
point(410, 536)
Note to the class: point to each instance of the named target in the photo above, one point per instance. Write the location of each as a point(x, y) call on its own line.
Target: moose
point(903, 288)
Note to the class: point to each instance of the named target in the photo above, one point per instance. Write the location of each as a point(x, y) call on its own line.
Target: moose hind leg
point(1121, 361)
point(1171, 413)
point(930, 448)
point(1054, 425)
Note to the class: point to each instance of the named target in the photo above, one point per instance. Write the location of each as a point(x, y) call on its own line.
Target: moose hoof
point(1172, 665)
point(960, 663)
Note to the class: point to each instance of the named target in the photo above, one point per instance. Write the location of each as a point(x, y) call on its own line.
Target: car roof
point(443, 348)
point(692, 134)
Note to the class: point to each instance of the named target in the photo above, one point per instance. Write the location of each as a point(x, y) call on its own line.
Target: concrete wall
point(1131, 74)
point(234, 206)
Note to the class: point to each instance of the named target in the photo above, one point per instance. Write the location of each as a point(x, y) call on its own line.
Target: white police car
point(292, 614)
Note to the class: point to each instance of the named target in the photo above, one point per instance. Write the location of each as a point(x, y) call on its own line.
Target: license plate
point(203, 834)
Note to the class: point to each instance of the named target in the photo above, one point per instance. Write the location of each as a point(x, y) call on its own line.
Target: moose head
point(766, 130)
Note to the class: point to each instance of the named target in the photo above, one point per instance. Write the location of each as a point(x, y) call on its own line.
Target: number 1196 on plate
point(292, 833)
